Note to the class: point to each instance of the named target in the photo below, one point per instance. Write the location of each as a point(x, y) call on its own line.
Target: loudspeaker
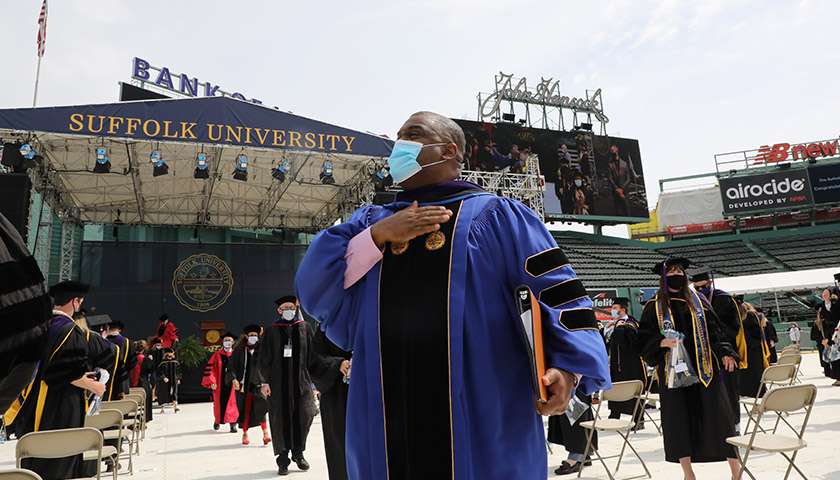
point(14, 200)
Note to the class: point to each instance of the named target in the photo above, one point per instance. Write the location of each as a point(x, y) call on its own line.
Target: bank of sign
point(179, 82)
point(768, 191)
point(546, 93)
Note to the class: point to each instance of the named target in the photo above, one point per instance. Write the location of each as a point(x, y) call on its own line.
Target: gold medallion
point(435, 240)
point(398, 248)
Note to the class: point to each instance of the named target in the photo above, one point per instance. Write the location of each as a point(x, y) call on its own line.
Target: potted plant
point(193, 357)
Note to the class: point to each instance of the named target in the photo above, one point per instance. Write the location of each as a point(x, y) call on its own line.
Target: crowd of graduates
point(729, 343)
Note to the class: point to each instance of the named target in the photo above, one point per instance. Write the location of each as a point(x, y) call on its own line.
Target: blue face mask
point(403, 159)
point(705, 290)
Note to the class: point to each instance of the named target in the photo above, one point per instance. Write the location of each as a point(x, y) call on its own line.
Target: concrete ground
point(184, 446)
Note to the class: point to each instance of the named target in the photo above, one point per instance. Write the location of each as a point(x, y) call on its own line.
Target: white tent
point(778, 282)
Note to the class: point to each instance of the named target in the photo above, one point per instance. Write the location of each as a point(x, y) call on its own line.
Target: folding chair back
point(623, 391)
point(58, 443)
point(790, 359)
point(789, 399)
point(19, 474)
point(139, 399)
point(778, 374)
point(136, 390)
point(105, 419)
point(127, 407)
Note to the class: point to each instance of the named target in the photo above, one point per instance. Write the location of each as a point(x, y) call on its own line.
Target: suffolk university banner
point(215, 120)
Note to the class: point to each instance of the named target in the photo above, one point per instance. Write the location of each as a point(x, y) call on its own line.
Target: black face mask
point(675, 282)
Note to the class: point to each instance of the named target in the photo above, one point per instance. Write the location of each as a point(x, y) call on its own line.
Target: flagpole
point(37, 77)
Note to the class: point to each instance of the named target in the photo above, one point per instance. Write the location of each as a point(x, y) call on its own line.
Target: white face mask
point(578, 182)
point(253, 339)
point(288, 314)
point(614, 313)
point(227, 343)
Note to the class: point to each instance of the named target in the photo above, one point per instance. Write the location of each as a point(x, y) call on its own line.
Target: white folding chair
point(65, 443)
point(783, 399)
point(141, 415)
point(773, 376)
point(791, 359)
point(110, 423)
point(130, 421)
point(19, 474)
point(650, 398)
point(620, 392)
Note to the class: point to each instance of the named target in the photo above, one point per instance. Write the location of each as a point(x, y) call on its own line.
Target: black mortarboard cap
point(229, 334)
point(98, 322)
point(287, 298)
point(837, 276)
point(69, 287)
point(668, 262)
point(163, 317)
point(251, 328)
point(623, 301)
point(116, 324)
point(702, 274)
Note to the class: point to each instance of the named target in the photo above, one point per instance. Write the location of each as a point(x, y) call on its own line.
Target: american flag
point(42, 29)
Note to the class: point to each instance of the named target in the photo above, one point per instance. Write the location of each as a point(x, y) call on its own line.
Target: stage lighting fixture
point(327, 173)
point(522, 121)
point(103, 165)
point(382, 178)
point(160, 168)
point(812, 160)
point(241, 170)
point(784, 166)
point(279, 173)
point(733, 171)
point(585, 126)
point(27, 152)
point(509, 117)
point(201, 167)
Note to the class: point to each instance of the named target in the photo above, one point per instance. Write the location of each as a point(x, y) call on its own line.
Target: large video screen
point(588, 177)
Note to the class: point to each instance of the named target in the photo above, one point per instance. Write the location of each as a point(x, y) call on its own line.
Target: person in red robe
point(166, 332)
point(224, 398)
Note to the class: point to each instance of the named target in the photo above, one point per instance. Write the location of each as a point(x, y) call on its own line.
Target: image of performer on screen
point(619, 177)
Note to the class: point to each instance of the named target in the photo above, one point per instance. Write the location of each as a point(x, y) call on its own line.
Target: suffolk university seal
point(202, 282)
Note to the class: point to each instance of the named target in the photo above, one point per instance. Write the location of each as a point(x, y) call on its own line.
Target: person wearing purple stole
point(55, 399)
point(696, 419)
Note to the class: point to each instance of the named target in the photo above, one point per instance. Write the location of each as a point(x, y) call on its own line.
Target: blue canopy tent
point(240, 144)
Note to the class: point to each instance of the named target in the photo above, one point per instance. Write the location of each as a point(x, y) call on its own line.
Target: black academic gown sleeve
point(325, 361)
point(650, 336)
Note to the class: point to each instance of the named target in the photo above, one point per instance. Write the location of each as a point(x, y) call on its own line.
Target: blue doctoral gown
point(497, 245)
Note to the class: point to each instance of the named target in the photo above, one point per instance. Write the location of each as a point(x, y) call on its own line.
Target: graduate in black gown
point(697, 419)
point(120, 382)
point(145, 376)
point(242, 375)
point(729, 312)
point(758, 353)
point(625, 360)
point(57, 396)
point(24, 314)
point(168, 380)
point(282, 371)
point(823, 329)
point(562, 431)
point(330, 370)
point(770, 335)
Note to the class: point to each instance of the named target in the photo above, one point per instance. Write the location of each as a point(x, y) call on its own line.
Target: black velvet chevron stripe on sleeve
point(544, 262)
point(578, 319)
point(562, 293)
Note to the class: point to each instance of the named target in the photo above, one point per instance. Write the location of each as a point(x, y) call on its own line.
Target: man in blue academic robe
point(422, 292)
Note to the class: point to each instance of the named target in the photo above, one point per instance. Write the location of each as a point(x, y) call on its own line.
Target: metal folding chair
point(783, 399)
point(110, 423)
point(63, 443)
point(129, 409)
point(773, 376)
point(19, 474)
point(620, 392)
point(791, 359)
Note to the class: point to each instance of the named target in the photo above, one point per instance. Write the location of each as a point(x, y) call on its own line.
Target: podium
point(211, 333)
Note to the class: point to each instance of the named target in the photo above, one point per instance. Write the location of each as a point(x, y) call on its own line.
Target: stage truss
point(131, 195)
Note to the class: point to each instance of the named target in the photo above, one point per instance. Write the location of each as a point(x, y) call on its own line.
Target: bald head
point(446, 129)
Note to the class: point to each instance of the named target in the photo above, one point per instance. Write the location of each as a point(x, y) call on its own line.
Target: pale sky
point(687, 79)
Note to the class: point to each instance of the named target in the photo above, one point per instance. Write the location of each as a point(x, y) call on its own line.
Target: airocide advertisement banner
point(825, 183)
point(766, 191)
